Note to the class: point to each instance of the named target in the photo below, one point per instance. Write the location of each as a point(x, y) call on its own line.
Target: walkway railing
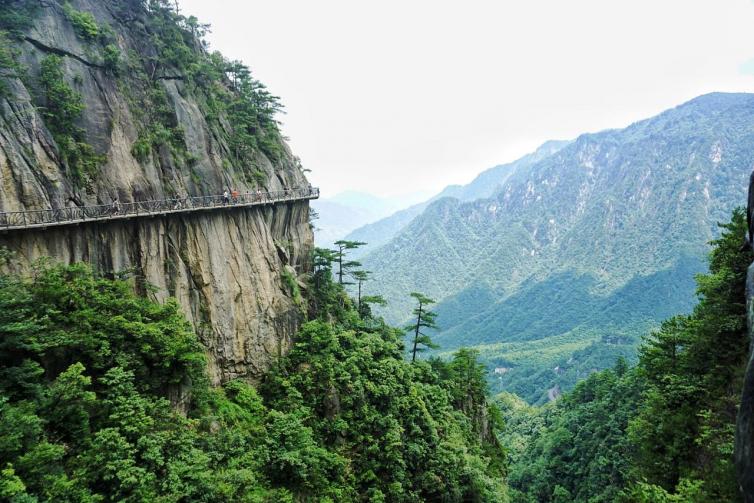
point(120, 211)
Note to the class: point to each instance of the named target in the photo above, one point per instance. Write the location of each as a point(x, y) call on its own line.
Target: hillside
point(484, 185)
point(659, 432)
point(553, 261)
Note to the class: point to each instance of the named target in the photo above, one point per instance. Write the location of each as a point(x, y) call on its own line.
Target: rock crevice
point(60, 52)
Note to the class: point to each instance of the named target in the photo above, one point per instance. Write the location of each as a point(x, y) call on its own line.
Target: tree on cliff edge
point(345, 266)
point(424, 319)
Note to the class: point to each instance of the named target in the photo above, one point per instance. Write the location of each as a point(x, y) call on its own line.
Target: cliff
point(120, 100)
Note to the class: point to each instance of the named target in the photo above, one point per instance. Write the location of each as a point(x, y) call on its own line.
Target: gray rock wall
point(224, 267)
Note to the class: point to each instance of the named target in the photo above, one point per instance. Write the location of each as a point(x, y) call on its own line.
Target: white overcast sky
point(399, 96)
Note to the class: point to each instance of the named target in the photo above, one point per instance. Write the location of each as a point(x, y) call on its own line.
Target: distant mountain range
point(484, 185)
point(557, 263)
point(346, 211)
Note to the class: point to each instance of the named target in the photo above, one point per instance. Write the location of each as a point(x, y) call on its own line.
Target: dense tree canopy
point(103, 397)
point(662, 431)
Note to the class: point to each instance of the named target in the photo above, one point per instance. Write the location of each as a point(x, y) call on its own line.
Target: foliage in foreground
point(660, 432)
point(87, 368)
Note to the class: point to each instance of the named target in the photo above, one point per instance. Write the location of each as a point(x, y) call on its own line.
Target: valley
point(184, 318)
point(594, 244)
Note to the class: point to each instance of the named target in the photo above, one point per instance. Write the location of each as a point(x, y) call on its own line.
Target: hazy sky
point(396, 96)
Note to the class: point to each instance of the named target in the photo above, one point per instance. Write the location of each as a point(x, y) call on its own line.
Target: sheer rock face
point(224, 267)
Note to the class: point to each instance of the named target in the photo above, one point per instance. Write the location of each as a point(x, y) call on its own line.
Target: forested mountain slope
point(660, 432)
point(484, 185)
point(572, 257)
point(87, 367)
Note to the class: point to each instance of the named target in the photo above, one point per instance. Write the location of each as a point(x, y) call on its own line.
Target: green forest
point(87, 370)
point(661, 431)
point(105, 394)
point(104, 397)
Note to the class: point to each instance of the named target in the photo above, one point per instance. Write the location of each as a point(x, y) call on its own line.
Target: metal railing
point(120, 211)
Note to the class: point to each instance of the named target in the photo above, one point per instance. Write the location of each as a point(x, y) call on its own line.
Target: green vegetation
point(662, 431)
point(360, 277)
point(252, 111)
point(577, 448)
point(400, 437)
point(9, 67)
point(693, 367)
point(425, 319)
point(111, 58)
point(293, 289)
point(238, 107)
point(401, 400)
point(364, 303)
point(600, 240)
point(62, 110)
point(15, 16)
point(86, 367)
point(83, 22)
point(346, 267)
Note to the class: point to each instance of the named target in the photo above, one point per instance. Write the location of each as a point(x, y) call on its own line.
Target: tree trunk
point(359, 302)
point(340, 267)
point(416, 335)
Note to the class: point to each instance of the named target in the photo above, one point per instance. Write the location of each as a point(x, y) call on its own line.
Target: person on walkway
point(226, 197)
point(116, 206)
point(234, 194)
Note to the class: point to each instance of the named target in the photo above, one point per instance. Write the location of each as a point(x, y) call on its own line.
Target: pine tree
point(345, 266)
point(323, 292)
point(424, 319)
point(360, 277)
point(365, 311)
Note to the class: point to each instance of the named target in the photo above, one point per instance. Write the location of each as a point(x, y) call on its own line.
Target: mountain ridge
point(614, 205)
point(483, 185)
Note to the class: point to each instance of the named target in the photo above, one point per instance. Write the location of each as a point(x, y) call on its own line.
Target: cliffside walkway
point(40, 219)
